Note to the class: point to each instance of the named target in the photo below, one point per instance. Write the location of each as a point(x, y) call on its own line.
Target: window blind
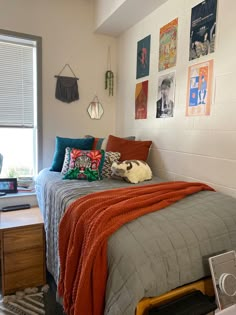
point(16, 85)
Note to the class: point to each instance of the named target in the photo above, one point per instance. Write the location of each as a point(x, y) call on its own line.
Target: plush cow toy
point(132, 171)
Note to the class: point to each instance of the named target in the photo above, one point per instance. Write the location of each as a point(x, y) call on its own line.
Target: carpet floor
point(31, 304)
point(40, 303)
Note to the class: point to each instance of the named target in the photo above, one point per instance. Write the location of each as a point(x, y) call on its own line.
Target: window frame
point(38, 41)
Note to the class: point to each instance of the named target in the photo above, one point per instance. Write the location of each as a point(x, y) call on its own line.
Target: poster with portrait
point(141, 99)
point(199, 89)
point(166, 96)
point(168, 45)
point(143, 57)
point(203, 29)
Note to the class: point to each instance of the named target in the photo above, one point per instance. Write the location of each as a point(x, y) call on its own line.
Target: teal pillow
point(97, 143)
point(85, 164)
point(62, 143)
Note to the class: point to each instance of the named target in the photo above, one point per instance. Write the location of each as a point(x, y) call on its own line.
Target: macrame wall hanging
point(67, 87)
point(109, 76)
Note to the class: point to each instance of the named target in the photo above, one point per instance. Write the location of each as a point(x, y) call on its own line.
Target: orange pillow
point(129, 149)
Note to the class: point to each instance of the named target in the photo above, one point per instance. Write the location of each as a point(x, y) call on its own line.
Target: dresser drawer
point(20, 239)
point(23, 279)
point(22, 250)
point(23, 260)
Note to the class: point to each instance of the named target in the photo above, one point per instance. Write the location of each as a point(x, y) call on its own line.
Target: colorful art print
point(143, 57)
point(168, 45)
point(203, 29)
point(199, 89)
point(141, 99)
point(166, 95)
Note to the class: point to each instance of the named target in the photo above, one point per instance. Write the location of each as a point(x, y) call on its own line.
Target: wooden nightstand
point(22, 245)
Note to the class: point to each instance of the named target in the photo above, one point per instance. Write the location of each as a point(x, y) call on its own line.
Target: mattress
point(152, 254)
point(54, 195)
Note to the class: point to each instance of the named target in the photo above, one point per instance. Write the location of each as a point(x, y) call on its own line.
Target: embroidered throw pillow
point(110, 157)
point(85, 165)
point(62, 143)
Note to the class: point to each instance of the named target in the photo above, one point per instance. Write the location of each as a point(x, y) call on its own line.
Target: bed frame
point(205, 286)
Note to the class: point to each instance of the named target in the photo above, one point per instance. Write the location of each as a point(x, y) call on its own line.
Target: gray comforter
point(152, 254)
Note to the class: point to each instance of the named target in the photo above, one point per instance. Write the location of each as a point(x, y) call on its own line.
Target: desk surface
point(19, 218)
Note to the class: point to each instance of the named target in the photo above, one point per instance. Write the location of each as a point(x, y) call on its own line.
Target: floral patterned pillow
point(85, 164)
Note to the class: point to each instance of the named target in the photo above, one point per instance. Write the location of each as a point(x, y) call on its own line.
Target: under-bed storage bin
point(194, 303)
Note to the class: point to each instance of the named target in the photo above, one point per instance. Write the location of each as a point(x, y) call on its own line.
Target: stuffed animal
point(132, 171)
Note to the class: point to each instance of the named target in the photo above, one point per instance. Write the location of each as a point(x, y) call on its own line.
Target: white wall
point(67, 34)
point(184, 148)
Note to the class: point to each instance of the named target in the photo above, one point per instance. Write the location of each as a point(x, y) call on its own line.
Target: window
point(20, 104)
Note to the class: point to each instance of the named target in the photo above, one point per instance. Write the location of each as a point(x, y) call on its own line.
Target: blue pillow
point(62, 144)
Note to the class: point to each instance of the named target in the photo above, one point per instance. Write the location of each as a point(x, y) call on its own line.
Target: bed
point(153, 254)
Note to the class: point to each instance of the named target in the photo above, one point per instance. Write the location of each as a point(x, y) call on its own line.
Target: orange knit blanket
point(84, 231)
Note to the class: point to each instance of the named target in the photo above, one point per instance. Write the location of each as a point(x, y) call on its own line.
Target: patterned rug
point(29, 304)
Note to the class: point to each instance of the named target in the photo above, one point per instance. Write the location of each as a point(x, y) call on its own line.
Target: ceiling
point(127, 15)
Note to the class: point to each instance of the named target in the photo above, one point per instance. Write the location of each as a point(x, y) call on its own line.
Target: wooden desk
point(22, 249)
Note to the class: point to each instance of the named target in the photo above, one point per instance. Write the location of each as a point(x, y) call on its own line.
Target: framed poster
point(143, 57)
point(203, 29)
point(199, 89)
point(141, 98)
point(168, 45)
point(166, 96)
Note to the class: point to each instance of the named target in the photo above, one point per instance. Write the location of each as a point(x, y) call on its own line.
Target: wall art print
point(203, 29)
point(166, 96)
point(141, 99)
point(199, 89)
point(143, 57)
point(168, 45)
